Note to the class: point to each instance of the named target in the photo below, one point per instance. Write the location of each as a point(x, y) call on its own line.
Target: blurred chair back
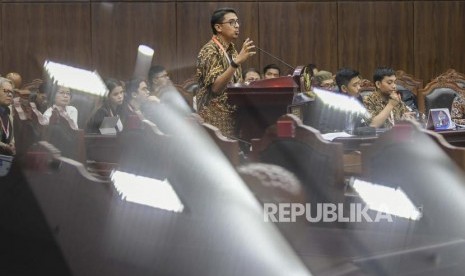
point(438, 94)
point(229, 147)
point(317, 163)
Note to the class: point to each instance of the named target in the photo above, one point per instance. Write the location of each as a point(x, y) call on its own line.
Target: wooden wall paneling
point(439, 38)
point(372, 34)
point(194, 30)
point(58, 32)
point(119, 28)
point(299, 33)
point(46, 1)
point(1, 41)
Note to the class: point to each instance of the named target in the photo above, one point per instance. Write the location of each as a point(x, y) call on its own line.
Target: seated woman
point(61, 97)
point(111, 107)
point(458, 110)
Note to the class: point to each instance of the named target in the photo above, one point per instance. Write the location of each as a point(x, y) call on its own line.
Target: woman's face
point(116, 96)
point(63, 96)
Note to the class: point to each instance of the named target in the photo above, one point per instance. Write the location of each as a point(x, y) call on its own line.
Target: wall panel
point(372, 34)
point(423, 38)
point(439, 38)
point(119, 28)
point(194, 31)
point(33, 33)
point(299, 33)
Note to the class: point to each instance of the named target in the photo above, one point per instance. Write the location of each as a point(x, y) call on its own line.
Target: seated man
point(251, 75)
point(39, 97)
point(458, 110)
point(158, 78)
point(324, 79)
point(271, 71)
point(348, 82)
point(385, 104)
point(7, 146)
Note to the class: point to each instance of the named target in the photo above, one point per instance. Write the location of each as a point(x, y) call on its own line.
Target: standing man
point(7, 146)
point(218, 64)
point(385, 105)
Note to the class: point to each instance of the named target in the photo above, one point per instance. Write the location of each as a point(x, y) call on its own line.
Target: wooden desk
point(261, 103)
point(454, 137)
point(102, 148)
point(353, 143)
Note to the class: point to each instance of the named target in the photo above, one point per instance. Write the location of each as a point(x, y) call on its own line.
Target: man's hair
point(250, 70)
point(382, 72)
point(312, 67)
point(153, 71)
point(271, 66)
point(344, 75)
point(218, 17)
point(132, 86)
point(5, 80)
point(321, 76)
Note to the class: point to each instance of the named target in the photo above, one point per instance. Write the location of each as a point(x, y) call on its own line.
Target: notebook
point(111, 125)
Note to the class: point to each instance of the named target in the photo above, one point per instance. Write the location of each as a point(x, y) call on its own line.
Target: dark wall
point(423, 38)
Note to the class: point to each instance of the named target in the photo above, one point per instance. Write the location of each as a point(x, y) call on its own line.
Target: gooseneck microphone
point(275, 57)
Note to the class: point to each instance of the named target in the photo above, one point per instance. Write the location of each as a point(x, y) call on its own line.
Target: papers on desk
point(333, 135)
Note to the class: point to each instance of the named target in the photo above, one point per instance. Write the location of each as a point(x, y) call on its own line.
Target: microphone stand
point(273, 56)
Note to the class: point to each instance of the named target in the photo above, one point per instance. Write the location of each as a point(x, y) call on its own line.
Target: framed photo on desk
point(439, 119)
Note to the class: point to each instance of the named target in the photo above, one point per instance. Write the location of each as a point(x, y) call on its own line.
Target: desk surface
point(453, 137)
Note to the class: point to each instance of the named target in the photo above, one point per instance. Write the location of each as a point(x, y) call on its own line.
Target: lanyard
point(222, 48)
point(7, 130)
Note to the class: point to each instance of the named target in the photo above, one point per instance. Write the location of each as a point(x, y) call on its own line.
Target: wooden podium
point(262, 102)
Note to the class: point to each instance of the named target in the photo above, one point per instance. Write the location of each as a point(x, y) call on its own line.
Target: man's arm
point(220, 83)
point(457, 110)
point(379, 119)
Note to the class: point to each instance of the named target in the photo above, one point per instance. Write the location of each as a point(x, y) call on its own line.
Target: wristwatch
point(233, 64)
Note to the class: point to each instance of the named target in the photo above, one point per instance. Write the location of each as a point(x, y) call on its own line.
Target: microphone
point(275, 57)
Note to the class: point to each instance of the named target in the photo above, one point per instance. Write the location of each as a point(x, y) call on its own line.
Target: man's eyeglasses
point(64, 93)
point(8, 92)
point(166, 75)
point(231, 22)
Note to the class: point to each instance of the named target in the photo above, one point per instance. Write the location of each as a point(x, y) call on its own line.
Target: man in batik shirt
point(385, 104)
point(218, 64)
point(458, 110)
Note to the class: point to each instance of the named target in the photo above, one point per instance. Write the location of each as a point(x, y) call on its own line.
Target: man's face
point(251, 76)
point(271, 73)
point(353, 87)
point(142, 93)
point(328, 84)
point(6, 94)
point(387, 85)
point(229, 27)
point(161, 79)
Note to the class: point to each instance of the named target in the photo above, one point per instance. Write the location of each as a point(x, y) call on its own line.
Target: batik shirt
point(377, 101)
point(458, 110)
point(211, 63)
